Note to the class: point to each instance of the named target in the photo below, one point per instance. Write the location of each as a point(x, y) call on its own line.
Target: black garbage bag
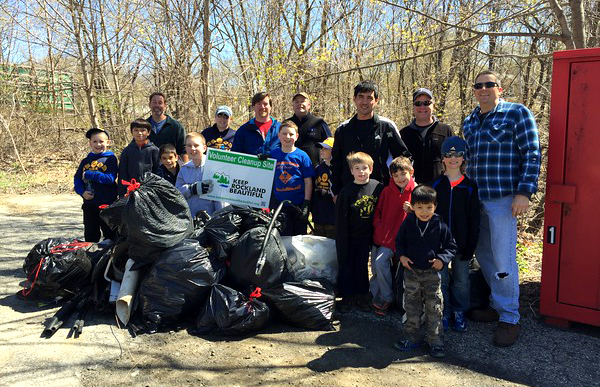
point(157, 217)
point(177, 285)
point(223, 230)
point(57, 267)
point(113, 216)
point(307, 304)
point(245, 255)
point(229, 312)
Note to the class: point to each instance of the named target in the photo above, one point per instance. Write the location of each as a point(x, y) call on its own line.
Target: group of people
point(419, 199)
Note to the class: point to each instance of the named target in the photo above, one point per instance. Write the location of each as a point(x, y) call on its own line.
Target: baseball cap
point(327, 144)
point(422, 91)
point(305, 95)
point(224, 109)
point(93, 131)
point(454, 144)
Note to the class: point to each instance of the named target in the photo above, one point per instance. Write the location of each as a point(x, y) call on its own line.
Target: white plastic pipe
point(127, 292)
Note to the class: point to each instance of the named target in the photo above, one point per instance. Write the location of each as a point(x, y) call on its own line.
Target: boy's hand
point(406, 207)
point(87, 195)
point(405, 261)
point(262, 156)
point(194, 188)
point(207, 186)
point(437, 264)
point(305, 209)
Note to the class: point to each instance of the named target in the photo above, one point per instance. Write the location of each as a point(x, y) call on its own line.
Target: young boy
point(458, 205)
point(392, 207)
point(322, 205)
point(169, 167)
point(95, 182)
point(293, 180)
point(424, 245)
point(189, 180)
point(354, 209)
point(139, 157)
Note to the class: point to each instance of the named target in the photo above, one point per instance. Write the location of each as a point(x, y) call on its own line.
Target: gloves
point(305, 209)
point(207, 186)
point(201, 187)
point(262, 156)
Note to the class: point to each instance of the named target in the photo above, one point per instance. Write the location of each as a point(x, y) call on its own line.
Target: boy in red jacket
point(391, 210)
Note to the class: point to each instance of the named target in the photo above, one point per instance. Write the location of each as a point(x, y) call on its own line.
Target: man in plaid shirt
point(504, 160)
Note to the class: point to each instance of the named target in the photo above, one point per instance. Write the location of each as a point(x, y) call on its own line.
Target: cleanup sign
point(238, 178)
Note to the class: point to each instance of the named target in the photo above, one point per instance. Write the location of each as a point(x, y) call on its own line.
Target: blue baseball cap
point(454, 144)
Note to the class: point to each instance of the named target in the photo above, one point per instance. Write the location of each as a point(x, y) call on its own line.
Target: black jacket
point(136, 161)
point(382, 141)
point(436, 241)
point(459, 207)
point(311, 130)
point(172, 133)
point(426, 152)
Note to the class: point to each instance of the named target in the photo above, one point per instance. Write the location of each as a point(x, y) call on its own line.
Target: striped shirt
point(503, 150)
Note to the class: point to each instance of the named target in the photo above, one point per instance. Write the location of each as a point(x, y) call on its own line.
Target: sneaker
point(344, 305)
point(506, 334)
point(446, 323)
point(437, 351)
point(484, 315)
point(407, 345)
point(460, 324)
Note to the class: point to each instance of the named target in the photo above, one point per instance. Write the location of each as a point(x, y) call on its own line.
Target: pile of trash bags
point(227, 274)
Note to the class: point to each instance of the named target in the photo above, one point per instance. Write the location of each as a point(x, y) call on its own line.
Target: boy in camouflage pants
point(431, 247)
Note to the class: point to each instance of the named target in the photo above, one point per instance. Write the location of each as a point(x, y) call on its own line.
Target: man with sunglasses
point(220, 135)
point(424, 138)
point(503, 155)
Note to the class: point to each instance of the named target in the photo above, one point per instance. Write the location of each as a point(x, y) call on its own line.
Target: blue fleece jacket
point(249, 140)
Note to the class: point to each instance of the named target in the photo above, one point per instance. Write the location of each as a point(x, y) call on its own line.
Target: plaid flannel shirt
point(503, 151)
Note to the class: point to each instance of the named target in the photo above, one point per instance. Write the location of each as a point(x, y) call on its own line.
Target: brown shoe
point(484, 315)
point(506, 334)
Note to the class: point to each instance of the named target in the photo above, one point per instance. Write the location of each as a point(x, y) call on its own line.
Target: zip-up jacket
point(136, 161)
point(425, 241)
point(426, 152)
point(459, 208)
point(389, 213)
point(172, 133)
point(249, 140)
point(382, 142)
point(311, 130)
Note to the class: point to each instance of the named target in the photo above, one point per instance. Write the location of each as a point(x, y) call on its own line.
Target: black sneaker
point(437, 351)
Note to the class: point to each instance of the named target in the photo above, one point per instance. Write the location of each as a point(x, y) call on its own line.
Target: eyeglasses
point(422, 103)
point(454, 154)
point(488, 85)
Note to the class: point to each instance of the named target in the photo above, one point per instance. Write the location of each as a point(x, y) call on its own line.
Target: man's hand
point(437, 264)
point(520, 205)
point(405, 261)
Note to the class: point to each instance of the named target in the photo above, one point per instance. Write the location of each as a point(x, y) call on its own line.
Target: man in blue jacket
point(259, 135)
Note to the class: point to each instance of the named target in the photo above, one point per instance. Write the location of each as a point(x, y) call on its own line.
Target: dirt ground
point(358, 353)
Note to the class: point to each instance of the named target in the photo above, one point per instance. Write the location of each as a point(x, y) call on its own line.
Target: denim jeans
point(381, 285)
point(497, 255)
point(456, 288)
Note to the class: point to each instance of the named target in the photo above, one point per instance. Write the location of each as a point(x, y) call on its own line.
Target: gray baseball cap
point(224, 109)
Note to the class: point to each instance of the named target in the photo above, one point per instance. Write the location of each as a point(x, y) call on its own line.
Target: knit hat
point(454, 144)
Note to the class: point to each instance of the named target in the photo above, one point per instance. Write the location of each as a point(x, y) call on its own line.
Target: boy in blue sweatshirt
point(95, 183)
point(425, 245)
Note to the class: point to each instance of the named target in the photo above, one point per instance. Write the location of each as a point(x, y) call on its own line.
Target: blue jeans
point(456, 288)
point(381, 285)
point(497, 255)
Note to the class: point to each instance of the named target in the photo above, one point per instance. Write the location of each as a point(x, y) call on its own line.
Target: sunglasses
point(422, 103)
point(454, 154)
point(488, 85)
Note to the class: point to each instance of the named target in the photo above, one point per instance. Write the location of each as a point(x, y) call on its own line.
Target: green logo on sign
point(222, 179)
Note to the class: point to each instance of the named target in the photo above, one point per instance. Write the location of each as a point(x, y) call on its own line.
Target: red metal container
point(571, 260)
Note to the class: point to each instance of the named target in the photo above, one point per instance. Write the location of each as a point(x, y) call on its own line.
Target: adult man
point(259, 135)
point(504, 160)
point(220, 135)
point(312, 129)
point(165, 130)
point(365, 132)
point(424, 137)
